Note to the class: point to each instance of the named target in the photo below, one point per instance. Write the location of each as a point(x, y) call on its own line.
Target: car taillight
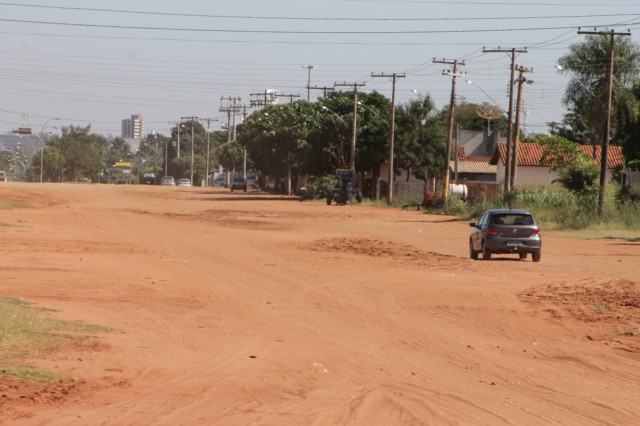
point(491, 231)
point(535, 230)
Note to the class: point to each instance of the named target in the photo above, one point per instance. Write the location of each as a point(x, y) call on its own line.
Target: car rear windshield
point(512, 219)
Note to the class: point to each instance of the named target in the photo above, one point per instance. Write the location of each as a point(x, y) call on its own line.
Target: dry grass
point(27, 333)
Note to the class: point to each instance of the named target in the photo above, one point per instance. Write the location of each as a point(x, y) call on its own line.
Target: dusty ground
point(237, 309)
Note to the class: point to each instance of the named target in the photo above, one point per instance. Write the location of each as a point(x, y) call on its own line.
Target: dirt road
point(238, 309)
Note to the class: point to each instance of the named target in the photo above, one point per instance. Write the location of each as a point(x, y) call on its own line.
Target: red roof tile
point(529, 154)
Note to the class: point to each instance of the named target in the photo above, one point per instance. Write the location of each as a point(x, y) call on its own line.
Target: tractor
point(346, 188)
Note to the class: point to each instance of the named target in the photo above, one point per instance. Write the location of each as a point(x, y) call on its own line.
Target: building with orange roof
point(531, 172)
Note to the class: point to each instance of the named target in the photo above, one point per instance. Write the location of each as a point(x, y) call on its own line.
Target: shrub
point(319, 188)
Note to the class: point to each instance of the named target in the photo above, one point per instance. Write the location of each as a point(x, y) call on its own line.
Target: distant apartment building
point(133, 128)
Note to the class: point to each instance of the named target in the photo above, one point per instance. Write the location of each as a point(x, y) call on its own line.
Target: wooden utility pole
point(324, 89)
point(514, 159)
point(263, 99)
point(290, 96)
point(231, 109)
point(607, 115)
point(452, 105)
point(392, 127)
point(208, 120)
point(512, 51)
point(352, 163)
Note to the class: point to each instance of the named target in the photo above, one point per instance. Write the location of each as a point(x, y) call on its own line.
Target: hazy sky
point(97, 62)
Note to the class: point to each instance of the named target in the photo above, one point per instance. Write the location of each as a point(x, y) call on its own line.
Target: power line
point(351, 19)
point(251, 31)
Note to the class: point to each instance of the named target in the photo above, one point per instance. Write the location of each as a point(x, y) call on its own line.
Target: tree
point(420, 138)
point(230, 155)
point(83, 153)
point(577, 172)
point(276, 138)
point(586, 93)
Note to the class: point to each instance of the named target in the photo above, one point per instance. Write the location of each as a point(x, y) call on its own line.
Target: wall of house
point(532, 175)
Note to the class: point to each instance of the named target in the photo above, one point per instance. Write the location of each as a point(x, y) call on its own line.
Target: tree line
point(315, 138)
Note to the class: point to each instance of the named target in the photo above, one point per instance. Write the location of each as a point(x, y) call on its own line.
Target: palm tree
point(586, 94)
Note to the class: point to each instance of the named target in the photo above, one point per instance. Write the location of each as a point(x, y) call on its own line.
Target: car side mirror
point(473, 225)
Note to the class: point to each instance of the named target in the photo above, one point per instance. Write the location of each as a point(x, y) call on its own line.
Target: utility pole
point(514, 160)
point(452, 104)
point(607, 115)
point(352, 160)
point(512, 51)
point(309, 68)
point(179, 127)
point(263, 99)
point(392, 127)
point(231, 109)
point(244, 148)
point(290, 96)
point(208, 120)
point(192, 135)
point(324, 89)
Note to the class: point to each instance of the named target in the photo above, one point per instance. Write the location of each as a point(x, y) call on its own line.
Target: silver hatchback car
point(506, 231)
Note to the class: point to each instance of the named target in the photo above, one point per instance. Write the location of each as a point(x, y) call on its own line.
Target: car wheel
point(472, 253)
point(523, 256)
point(486, 254)
point(359, 197)
point(535, 256)
point(329, 199)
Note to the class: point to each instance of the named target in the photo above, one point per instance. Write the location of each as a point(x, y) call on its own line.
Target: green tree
point(83, 153)
point(276, 138)
point(230, 155)
point(586, 94)
point(420, 138)
point(577, 172)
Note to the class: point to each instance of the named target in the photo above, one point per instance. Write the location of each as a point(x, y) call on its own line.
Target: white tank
point(458, 191)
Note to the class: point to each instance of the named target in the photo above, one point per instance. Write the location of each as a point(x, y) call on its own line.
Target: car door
point(478, 232)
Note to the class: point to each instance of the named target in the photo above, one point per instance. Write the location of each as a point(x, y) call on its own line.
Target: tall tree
point(421, 139)
point(83, 152)
point(276, 138)
point(586, 94)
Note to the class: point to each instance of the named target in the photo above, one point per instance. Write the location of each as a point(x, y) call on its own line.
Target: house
point(471, 168)
point(530, 172)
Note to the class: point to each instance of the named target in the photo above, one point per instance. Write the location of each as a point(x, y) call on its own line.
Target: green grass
point(27, 334)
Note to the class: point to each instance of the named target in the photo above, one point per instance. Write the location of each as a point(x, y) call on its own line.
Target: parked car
point(149, 179)
point(239, 183)
point(3, 176)
point(168, 181)
point(505, 231)
point(184, 182)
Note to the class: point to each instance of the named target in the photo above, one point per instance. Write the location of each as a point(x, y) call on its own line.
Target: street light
point(587, 88)
point(43, 127)
point(309, 68)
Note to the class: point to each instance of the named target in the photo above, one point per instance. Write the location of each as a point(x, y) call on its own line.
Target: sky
point(90, 62)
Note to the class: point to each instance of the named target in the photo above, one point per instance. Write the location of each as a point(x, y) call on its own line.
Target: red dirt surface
point(238, 308)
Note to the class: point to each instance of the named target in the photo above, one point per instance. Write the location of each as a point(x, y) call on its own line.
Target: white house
point(531, 173)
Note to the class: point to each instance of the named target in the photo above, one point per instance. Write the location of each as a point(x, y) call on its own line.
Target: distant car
point(149, 179)
point(505, 231)
point(238, 183)
point(168, 181)
point(3, 176)
point(184, 182)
